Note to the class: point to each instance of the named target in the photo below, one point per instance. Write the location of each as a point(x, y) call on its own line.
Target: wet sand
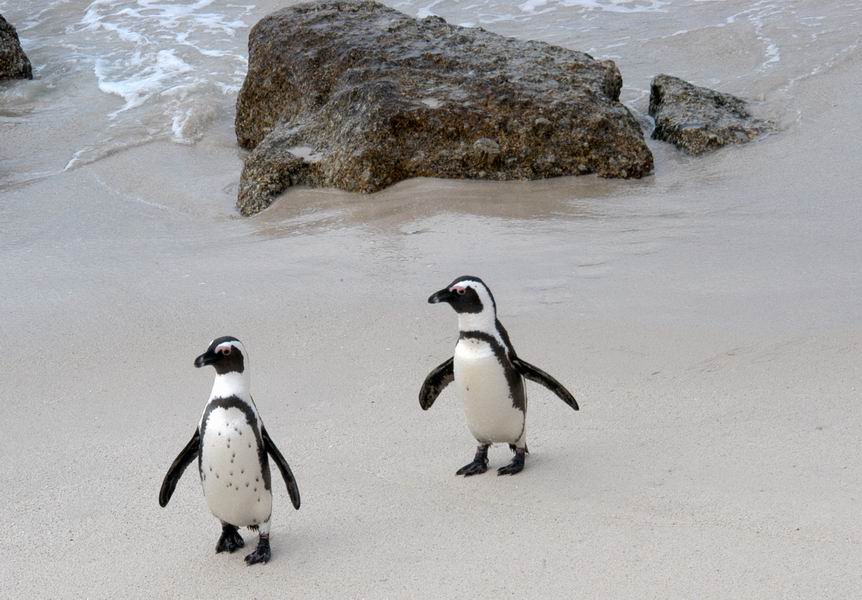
point(707, 319)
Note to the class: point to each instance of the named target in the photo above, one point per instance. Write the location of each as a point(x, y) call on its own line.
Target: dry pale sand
point(707, 319)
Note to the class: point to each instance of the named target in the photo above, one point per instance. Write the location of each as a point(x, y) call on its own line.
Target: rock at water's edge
point(355, 95)
point(14, 64)
point(698, 119)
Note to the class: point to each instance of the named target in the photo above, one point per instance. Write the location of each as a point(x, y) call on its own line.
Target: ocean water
point(111, 74)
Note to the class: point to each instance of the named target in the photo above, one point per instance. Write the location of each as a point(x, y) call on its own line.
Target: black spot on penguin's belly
point(234, 402)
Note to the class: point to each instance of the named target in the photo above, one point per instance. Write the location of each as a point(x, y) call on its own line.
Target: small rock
point(485, 152)
point(698, 119)
point(269, 170)
point(14, 64)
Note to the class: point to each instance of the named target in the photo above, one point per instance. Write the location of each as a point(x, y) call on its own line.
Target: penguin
point(231, 447)
point(488, 375)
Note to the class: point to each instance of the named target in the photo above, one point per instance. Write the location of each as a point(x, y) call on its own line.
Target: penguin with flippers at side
point(232, 449)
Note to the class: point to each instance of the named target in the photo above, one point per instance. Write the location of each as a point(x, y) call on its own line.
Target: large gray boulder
point(14, 64)
point(698, 119)
point(355, 95)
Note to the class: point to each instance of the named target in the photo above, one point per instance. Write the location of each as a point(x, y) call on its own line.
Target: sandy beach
point(707, 318)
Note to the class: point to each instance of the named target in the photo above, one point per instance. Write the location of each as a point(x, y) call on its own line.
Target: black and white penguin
point(231, 446)
point(488, 375)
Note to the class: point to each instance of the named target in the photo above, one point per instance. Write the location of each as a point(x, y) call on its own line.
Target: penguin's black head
point(467, 294)
point(226, 354)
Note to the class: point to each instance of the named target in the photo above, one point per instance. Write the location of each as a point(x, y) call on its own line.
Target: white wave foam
point(613, 6)
point(427, 10)
point(138, 86)
point(532, 5)
point(173, 64)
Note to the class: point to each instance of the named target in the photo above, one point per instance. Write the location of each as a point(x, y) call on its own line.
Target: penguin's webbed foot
point(479, 464)
point(517, 464)
point(262, 553)
point(230, 540)
point(476, 467)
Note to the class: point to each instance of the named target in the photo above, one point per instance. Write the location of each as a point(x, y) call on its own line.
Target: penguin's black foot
point(517, 464)
point(474, 468)
point(262, 553)
point(230, 540)
point(479, 464)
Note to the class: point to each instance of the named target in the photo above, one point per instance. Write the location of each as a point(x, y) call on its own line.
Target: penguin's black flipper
point(539, 376)
point(183, 460)
point(435, 383)
point(286, 473)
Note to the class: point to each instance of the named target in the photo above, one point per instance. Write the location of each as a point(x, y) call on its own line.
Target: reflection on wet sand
point(396, 208)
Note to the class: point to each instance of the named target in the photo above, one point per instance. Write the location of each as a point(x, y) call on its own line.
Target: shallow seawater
point(113, 74)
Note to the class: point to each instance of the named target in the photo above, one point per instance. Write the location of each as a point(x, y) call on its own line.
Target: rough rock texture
point(354, 95)
point(698, 119)
point(14, 64)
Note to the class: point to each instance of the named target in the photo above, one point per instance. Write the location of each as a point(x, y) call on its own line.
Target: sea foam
point(170, 63)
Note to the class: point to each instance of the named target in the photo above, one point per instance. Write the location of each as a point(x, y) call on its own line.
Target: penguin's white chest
point(231, 472)
point(485, 392)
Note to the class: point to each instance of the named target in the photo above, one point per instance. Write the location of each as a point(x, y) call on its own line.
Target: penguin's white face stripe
point(227, 347)
point(481, 291)
point(232, 383)
point(485, 320)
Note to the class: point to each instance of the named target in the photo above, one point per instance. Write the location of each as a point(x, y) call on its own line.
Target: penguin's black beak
point(207, 358)
point(444, 295)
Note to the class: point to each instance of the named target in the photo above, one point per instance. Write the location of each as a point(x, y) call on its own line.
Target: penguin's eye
point(225, 351)
point(461, 291)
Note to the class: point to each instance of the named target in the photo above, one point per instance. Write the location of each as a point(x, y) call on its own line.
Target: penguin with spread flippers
point(488, 375)
point(232, 447)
